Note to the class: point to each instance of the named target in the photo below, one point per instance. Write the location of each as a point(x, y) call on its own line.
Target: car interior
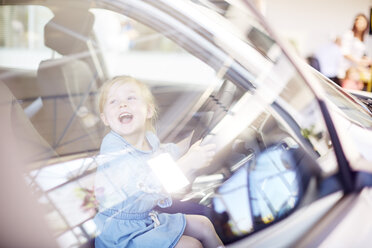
point(53, 110)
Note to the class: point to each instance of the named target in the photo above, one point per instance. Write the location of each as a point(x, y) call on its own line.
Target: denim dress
point(127, 192)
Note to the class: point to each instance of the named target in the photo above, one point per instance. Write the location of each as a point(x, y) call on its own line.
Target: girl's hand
point(198, 156)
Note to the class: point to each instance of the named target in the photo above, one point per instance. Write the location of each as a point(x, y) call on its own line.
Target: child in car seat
point(127, 190)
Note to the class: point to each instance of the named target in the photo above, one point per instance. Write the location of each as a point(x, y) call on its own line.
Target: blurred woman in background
point(353, 47)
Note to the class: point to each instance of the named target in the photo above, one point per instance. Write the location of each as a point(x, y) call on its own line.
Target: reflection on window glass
point(131, 48)
point(55, 114)
point(66, 191)
point(120, 33)
point(22, 36)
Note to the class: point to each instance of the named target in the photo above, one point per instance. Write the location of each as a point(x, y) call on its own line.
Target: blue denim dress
point(127, 191)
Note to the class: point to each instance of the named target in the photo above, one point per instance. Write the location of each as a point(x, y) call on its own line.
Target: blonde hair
point(145, 92)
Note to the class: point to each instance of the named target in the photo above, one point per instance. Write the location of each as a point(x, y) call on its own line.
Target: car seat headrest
point(68, 32)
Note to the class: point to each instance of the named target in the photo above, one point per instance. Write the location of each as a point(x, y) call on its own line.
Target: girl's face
point(125, 110)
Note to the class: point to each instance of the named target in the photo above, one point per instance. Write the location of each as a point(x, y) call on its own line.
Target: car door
point(275, 164)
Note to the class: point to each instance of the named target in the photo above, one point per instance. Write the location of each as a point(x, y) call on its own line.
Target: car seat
point(71, 76)
point(17, 126)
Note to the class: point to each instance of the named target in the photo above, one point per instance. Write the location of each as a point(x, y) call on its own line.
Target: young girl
point(126, 188)
point(352, 80)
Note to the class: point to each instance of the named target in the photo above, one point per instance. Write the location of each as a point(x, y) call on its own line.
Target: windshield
point(270, 72)
point(353, 110)
point(216, 77)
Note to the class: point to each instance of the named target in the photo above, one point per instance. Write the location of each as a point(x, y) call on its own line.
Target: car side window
point(22, 36)
point(178, 79)
point(61, 56)
point(59, 65)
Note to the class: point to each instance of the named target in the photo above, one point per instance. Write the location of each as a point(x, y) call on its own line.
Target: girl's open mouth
point(125, 118)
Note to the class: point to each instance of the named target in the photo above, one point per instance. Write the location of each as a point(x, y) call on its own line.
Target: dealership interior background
point(309, 24)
